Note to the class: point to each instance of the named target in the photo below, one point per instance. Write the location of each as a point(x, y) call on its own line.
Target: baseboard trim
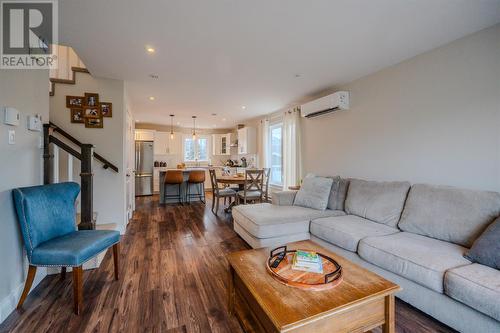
point(9, 303)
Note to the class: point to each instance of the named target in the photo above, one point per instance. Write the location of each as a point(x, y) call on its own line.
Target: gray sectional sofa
point(415, 236)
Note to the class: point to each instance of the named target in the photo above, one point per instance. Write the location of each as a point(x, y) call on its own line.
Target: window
point(276, 153)
point(195, 150)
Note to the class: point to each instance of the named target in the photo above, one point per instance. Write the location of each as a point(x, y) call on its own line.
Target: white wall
point(21, 165)
point(109, 187)
point(434, 118)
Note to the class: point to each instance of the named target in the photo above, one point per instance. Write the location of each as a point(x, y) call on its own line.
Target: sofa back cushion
point(486, 249)
point(380, 202)
point(314, 192)
point(450, 214)
point(338, 193)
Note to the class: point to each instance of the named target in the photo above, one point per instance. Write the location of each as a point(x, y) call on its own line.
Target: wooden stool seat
point(174, 177)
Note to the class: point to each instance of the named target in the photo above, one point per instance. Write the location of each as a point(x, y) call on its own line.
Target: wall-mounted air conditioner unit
point(327, 104)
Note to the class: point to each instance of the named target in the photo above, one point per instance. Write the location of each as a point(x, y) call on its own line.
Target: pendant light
point(194, 127)
point(171, 127)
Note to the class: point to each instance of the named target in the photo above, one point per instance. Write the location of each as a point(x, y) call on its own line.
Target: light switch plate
point(12, 137)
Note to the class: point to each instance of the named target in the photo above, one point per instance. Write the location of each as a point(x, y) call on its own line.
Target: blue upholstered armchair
point(46, 215)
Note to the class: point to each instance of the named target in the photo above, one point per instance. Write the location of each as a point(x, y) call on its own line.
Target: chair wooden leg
point(217, 206)
point(27, 285)
point(213, 202)
point(77, 289)
point(63, 273)
point(116, 253)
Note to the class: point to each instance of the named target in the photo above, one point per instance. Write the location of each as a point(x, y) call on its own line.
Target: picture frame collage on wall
point(89, 110)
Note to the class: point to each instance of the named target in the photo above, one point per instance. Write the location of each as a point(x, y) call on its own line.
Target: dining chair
point(219, 192)
point(253, 187)
point(267, 174)
point(47, 217)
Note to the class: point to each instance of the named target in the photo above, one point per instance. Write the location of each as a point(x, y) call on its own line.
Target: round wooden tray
point(330, 278)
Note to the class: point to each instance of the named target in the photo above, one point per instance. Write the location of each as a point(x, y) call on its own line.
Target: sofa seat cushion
point(75, 248)
point(381, 202)
point(476, 285)
point(448, 213)
point(346, 231)
point(265, 220)
point(418, 258)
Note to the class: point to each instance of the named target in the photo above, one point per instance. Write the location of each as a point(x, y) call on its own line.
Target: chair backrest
point(213, 180)
point(45, 212)
point(174, 177)
point(254, 180)
point(267, 174)
point(196, 176)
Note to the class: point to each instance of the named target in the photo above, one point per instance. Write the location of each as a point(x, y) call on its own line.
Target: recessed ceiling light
point(150, 49)
point(243, 107)
point(151, 98)
point(223, 119)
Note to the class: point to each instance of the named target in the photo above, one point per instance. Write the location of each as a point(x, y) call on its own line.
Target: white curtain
point(264, 143)
point(292, 162)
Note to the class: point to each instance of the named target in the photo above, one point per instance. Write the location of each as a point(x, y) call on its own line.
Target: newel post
point(87, 219)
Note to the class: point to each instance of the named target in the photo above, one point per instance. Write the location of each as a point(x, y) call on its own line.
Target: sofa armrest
point(283, 198)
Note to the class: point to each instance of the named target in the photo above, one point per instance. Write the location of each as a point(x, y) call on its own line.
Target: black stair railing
point(86, 175)
point(105, 162)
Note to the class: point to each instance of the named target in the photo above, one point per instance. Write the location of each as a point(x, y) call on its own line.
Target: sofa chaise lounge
point(415, 236)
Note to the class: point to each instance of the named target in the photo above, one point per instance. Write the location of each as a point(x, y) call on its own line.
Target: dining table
point(231, 180)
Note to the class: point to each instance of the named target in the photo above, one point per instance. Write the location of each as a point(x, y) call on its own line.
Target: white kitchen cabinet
point(221, 144)
point(225, 144)
point(161, 146)
point(247, 141)
point(144, 135)
point(216, 139)
point(164, 145)
point(175, 144)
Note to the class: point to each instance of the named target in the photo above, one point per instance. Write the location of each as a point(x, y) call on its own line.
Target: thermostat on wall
point(11, 116)
point(35, 123)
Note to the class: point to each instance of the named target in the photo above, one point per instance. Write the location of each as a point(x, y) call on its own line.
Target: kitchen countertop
point(189, 167)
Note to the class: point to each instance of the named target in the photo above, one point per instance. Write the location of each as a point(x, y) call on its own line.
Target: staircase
point(53, 142)
point(69, 63)
point(66, 157)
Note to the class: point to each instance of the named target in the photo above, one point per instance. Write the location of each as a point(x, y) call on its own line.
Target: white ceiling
point(216, 56)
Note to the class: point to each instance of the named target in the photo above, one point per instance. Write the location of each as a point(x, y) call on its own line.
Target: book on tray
point(307, 261)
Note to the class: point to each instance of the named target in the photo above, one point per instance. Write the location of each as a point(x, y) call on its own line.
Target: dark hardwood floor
point(173, 279)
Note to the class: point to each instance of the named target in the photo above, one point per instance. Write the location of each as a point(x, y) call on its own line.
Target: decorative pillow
point(486, 249)
point(314, 192)
point(338, 193)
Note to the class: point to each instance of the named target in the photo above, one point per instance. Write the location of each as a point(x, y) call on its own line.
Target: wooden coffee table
point(360, 303)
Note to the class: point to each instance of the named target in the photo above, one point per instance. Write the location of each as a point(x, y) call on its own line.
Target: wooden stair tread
point(53, 81)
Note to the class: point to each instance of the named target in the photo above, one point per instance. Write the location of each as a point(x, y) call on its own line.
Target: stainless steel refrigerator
point(144, 167)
